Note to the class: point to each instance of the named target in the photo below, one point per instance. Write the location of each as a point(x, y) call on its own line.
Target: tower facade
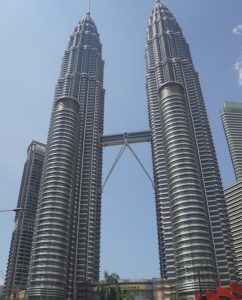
point(233, 196)
point(66, 247)
point(21, 242)
point(193, 229)
point(232, 122)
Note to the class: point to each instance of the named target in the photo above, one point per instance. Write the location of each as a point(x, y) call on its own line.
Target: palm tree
point(109, 289)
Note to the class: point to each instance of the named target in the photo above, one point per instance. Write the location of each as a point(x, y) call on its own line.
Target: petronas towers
point(193, 232)
point(194, 237)
point(66, 247)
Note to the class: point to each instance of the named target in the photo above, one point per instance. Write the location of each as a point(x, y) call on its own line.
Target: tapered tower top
point(158, 5)
point(87, 18)
point(88, 14)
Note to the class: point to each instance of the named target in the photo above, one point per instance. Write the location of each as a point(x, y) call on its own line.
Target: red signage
point(234, 292)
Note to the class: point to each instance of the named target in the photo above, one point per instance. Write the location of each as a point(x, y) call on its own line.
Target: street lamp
point(15, 209)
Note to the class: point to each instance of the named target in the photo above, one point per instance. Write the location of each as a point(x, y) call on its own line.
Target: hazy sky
point(34, 35)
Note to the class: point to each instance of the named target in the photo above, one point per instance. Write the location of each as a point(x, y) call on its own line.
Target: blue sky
point(34, 35)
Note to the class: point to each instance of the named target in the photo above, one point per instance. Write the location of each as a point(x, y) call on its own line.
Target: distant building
point(21, 242)
point(232, 122)
point(153, 289)
point(144, 289)
point(233, 196)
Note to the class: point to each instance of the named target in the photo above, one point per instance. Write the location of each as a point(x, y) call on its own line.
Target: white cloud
point(238, 30)
point(238, 68)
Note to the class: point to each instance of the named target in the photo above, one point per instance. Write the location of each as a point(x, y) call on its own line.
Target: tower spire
point(89, 7)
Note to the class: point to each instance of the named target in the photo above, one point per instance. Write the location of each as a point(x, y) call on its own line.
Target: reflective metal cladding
point(22, 236)
point(66, 247)
point(193, 230)
point(194, 237)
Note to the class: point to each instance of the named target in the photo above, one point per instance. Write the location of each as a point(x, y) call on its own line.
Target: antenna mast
point(89, 6)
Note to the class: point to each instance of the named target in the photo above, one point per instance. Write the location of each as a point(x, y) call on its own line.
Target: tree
point(109, 289)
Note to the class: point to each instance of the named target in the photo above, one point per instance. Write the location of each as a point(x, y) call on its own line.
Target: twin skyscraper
point(194, 237)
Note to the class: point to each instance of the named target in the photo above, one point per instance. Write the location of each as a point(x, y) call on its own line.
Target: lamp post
point(15, 209)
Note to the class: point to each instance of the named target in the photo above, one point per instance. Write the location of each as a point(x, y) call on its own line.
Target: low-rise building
point(153, 289)
point(145, 289)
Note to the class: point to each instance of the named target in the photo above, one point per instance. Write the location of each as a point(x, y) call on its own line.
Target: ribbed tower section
point(21, 242)
point(189, 218)
point(66, 247)
point(168, 59)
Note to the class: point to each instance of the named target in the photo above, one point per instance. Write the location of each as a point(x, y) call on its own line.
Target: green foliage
point(109, 289)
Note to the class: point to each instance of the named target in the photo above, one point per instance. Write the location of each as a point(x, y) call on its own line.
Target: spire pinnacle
point(89, 6)
point(157, 4)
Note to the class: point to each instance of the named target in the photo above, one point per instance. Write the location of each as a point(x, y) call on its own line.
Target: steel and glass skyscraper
point(233, 197)
point(66, 248)
point(232, 122)
point(194, 237)
point(193, 230)
point(21, 242)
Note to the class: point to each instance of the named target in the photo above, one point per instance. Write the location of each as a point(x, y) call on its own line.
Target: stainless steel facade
point(233, 196)
point(168, 59)
point(232, 122)
point(21, 242)
point(188, 210)
point(193, 230)
point(66, 248)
